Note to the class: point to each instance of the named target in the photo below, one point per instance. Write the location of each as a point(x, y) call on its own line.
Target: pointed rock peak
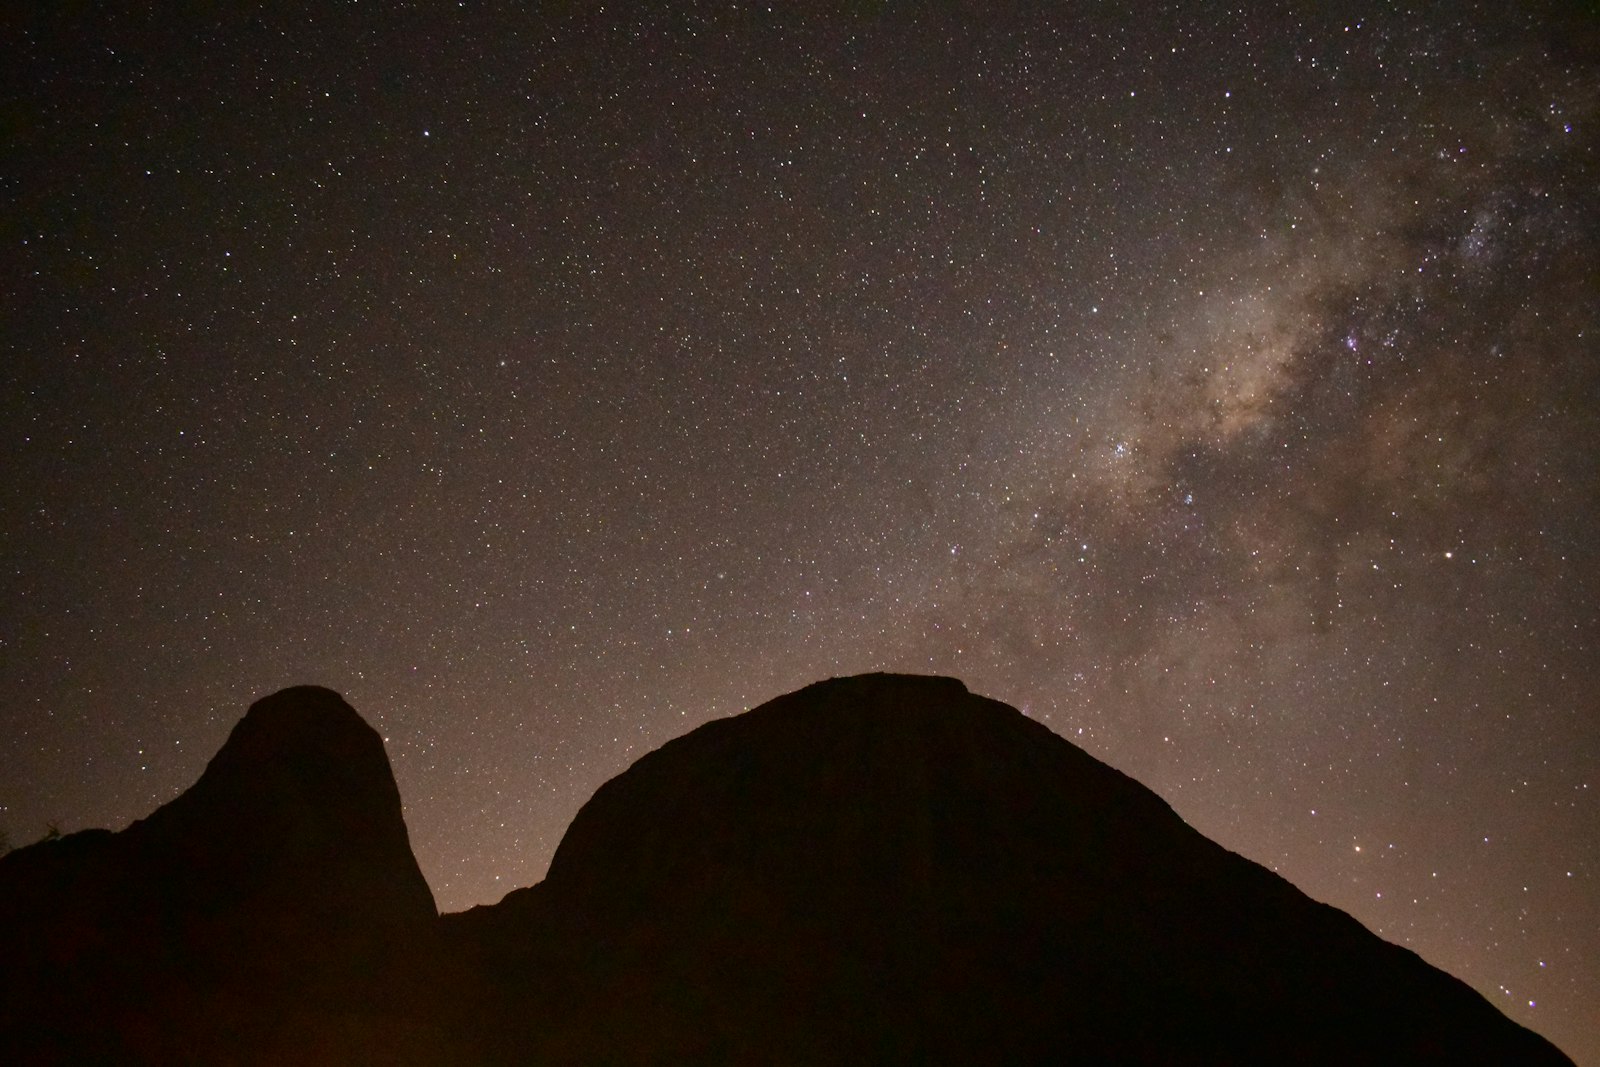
point(301, 700)
point(269, 914)
point(304, 781)
point(305, 738)
point(301, 716)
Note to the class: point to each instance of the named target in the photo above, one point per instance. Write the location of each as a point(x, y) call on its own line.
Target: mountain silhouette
point(880, 869)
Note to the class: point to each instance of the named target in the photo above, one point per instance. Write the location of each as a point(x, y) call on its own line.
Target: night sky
point(1222, 388)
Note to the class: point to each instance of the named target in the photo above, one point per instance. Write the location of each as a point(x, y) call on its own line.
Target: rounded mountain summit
point(889, 869)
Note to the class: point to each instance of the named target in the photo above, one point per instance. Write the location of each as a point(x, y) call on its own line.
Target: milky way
point(1223, 391)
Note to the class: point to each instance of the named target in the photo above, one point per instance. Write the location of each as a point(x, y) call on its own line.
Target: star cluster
point(1219, 386)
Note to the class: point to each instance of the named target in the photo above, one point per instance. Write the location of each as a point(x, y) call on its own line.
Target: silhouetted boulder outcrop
point(883, 869)
point(887, 869)
point(266, 915)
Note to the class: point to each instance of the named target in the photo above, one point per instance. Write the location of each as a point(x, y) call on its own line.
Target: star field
point(1221, 387)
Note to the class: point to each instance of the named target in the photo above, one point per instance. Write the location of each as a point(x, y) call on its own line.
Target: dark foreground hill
point(882, 869)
